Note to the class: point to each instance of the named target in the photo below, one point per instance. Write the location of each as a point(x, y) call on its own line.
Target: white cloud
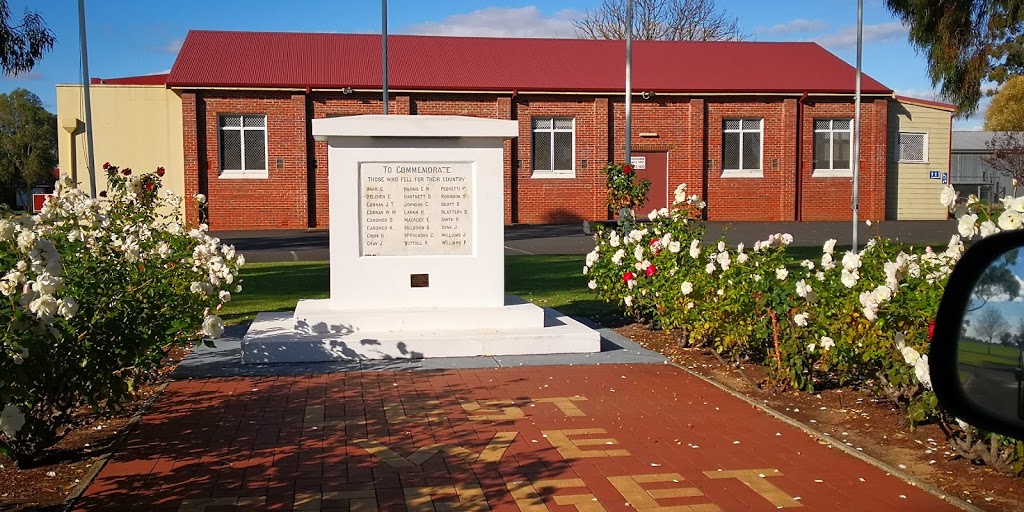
point(847, 36)
point(797, 25)
point(173, 46)
point(921, 94)
point(500, 22)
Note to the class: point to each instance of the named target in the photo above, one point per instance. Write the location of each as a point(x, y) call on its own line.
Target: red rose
point(656, 240)
point(149, 186)
point(127, 171)
point(931, 330)
point(106, 165)
point(103, 194)
point(627, 277)
point(651, 270)
point(160, 171)
point(627, 169)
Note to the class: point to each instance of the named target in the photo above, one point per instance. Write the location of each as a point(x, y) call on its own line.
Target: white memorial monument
point(417, 251)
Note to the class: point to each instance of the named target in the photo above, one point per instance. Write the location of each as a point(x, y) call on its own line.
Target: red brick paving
point(530, 439)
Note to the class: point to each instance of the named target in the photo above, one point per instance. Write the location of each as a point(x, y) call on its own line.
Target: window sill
point(832, 173)
point(237, 175)
point(923, 162)
point(553, 174)
point(735, 173)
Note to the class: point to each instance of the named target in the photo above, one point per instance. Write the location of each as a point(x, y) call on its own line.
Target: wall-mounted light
point(647, 95)
point(347, 90)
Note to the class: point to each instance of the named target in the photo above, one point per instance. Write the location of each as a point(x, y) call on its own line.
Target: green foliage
point(24, 44)
point(624, 189)
point(95, 293)
point(966, 43)
point(1006, 112)
point(833, 319)
point(28, 141)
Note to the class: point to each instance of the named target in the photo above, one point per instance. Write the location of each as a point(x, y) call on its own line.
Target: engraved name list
point(416, 208)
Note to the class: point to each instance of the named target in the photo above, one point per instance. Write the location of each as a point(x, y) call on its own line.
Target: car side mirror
point(976, 358)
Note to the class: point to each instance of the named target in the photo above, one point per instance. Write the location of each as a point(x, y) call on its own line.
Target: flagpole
point(384, 49)
point(90, 157)
point(856, 122)
point(629, 80)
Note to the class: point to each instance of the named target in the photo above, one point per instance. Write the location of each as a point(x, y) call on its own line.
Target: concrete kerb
point(834, 443)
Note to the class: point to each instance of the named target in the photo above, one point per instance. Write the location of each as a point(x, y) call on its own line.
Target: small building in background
point(970, 173)
point(919, 144)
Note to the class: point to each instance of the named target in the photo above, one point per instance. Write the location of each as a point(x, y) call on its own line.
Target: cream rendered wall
point(136, 126)
point(910, 193)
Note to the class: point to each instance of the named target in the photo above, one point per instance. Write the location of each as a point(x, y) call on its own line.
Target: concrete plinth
point(272, 339)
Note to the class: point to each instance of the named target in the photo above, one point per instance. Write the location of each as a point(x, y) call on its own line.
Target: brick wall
point(829, 198)
point(295, 196)
point(278, 201)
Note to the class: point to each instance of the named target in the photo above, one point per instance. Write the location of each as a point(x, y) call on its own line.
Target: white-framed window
point(742, 147)
point(554, 147)
point(913, 147)
point(243, 145)
point(833, 147)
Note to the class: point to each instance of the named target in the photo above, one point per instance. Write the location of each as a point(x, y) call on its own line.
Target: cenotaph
point(417, 263)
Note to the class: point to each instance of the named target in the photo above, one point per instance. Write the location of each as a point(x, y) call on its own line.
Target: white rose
point(788, 238)
point(674, 246)
point(617, 257)
point(948, 196)
point(827, 343)
point(6, 230)
point(1010, 219)
point(11, 420)
point(638, 253)
point(802, 288)
point(628, 299)
point(695, 249)
point(921, 372)
point(224, 296)
point(686, 288)
point(43, 307)
point(742, 258)
point(781, 273)
point(830, 246)
point(849, 279)
point(213, 326)
point(851, 261)
point(988, 228)
point(810, 347)
point(196, 288)
point(968, 225)
point(592, 284)
point(200, 198)
point(800, 319)
point(67, 307)
point(709, 268)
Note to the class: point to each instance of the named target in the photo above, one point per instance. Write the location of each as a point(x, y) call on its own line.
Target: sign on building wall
point(934, 174)
point(638, 162)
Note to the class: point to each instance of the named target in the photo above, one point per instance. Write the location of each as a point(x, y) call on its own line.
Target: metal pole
point(856, 121)
point(384, 49)
point(90, 158)
point(629, 80)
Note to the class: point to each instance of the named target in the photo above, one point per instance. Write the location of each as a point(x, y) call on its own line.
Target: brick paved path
point(535, 439)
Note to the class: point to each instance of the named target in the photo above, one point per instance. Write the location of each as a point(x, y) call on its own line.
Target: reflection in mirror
point(991, 345)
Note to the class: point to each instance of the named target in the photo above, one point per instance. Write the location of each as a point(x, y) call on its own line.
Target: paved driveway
point(302, 245)
point(528, 439)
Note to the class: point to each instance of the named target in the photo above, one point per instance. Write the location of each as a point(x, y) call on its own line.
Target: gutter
point(798, 215)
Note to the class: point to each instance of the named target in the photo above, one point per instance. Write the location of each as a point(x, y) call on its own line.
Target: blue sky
point(134, 38)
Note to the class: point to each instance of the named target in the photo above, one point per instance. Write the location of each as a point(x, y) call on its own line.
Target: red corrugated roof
point(928, 103)
point(301, 60)
point(158, 79)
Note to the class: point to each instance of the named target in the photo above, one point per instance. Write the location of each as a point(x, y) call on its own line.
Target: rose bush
point(95, 293)
point(625, 191)
point(852, 319)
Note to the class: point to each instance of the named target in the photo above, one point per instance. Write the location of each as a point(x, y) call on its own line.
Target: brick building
point(761, 130)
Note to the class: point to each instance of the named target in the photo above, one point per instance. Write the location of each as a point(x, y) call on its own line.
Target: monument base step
point(319, 316)
point(272, 339)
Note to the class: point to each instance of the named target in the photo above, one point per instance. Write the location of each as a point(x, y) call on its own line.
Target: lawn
point(977, 354)
point(550, 281)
